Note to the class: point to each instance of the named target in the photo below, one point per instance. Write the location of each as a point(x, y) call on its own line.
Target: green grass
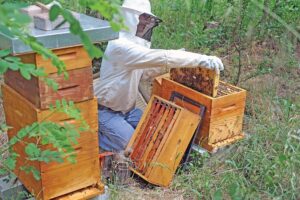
point(266, 165)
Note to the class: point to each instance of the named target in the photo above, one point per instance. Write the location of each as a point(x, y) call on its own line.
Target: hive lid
point(98, 30)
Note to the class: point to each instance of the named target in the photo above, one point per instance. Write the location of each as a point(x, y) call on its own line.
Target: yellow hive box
point(58, 180)
point(160, 140)
point(223, 119)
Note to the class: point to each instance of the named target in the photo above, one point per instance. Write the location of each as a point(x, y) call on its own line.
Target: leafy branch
point(37, 137)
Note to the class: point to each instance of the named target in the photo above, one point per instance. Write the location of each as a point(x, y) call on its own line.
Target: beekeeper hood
point(139, 20)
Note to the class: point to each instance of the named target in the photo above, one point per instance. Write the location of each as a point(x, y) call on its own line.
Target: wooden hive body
point(160, 140)
point(223, 119)
point(74, 58)
point(57, 179)
point(203, 80)
point(77, 88)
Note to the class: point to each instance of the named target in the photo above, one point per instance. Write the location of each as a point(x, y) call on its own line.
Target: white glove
point(212, 62)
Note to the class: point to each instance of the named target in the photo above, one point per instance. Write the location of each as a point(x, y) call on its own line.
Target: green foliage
point(108, 9)
point(187, 22)
point(265, 165)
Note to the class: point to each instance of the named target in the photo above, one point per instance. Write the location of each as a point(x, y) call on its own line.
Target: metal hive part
point(98, 31)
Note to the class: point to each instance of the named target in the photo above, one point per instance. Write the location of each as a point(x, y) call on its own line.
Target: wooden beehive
point(77, 88)
point(223, 119)
point(58, 180)
point(203, 80)
point(160, 140)
point(74, 57)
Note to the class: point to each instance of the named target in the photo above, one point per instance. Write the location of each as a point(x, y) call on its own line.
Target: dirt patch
point(139, 189)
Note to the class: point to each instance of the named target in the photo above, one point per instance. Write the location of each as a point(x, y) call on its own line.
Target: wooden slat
point(88, 109)
point(27, 88)
point(162, 170)
point(77, 88)
point(163, 142)
point(70, 178)
point(83, 194)
point(86, 149)
point(162, 164)
point(28, 58)
point(144, 161)
point(168, 86)
point(73, 57)
point(214, 147)
point(157, 83)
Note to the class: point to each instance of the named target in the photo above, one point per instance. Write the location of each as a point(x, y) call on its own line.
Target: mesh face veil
point(146, 25)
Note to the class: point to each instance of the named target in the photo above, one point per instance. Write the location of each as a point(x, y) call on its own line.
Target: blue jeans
point(116, 128)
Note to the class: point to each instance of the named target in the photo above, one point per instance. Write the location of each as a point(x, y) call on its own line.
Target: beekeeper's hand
point(211, 62)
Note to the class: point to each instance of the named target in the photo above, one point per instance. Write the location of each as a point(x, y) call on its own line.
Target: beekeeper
point(126, 60)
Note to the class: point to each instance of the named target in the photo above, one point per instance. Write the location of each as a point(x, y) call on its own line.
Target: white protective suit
point(128, 56)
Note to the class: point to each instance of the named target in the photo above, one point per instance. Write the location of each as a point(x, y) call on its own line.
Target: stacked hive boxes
point(225, 104)
point(28, 101)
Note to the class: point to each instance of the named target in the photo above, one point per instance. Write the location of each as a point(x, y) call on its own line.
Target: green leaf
point(218, 195)
point(51, 83)
point(57, 103)
point(3, 66)
point(13, 141)
point(4, 52)
point(66, 75)
point(282, 158)
point(22, 133)
point(22, 18)
point(64, 103)
point(234, 192)
point(10, 162)
point(13, 59)
point(32, 150)
point(3, 171)
point(36, 173)
point(25, 73)
point(39, 72)
point(72, 159)
point(14, 66)
point(54, 12)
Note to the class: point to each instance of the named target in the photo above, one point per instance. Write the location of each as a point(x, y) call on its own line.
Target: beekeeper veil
point(139, 20)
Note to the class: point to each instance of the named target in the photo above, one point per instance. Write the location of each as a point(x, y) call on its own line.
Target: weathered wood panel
point(74, 58)
point(77, 88)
